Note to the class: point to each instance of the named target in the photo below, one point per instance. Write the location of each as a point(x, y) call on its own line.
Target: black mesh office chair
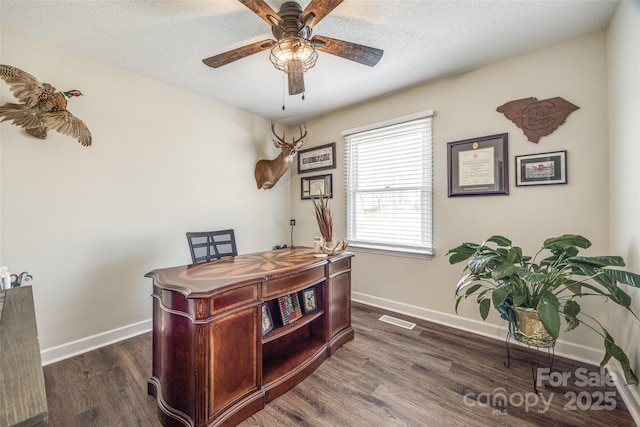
point(209, 245)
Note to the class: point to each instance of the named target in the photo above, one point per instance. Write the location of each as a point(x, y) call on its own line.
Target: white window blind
point(389, 186)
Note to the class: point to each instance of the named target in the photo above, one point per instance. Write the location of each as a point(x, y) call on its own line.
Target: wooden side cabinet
point(212, 365)
point(23, 399)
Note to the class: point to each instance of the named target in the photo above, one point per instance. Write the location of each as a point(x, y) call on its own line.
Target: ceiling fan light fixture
point(293, 54)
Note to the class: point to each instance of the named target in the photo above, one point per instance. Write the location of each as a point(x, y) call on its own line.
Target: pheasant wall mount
point(537, 118)
point(41, 107)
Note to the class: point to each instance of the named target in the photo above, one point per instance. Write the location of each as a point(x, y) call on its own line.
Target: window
point(389, 186)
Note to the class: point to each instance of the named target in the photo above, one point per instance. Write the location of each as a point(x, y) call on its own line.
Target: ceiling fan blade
point(239, 53)
point(319, 9)
point(355, 52)
point(296, 83)
point(260, 8)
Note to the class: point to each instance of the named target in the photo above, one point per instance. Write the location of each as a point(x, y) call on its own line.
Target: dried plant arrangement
point(324, 217)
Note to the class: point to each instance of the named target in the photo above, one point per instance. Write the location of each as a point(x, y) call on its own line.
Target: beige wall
point(465, 107)
point(623, 56)
point(88, 223)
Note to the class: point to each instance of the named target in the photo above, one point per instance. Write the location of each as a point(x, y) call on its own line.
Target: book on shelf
point(289, 308)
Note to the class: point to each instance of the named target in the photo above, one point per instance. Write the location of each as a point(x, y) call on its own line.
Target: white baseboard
point(73, 348)
point(629, 393)
point(573, 351)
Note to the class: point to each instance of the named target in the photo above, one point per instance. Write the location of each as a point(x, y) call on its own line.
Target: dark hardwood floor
point(388, 376)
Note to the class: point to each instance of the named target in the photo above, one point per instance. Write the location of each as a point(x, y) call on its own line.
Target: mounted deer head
point(268, 172)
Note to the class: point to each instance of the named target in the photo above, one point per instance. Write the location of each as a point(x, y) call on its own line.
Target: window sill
point(399, 252)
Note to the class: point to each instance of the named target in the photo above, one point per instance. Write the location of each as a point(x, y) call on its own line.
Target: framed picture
point(289, 308)
point(317, 158)
point(309, 301)
point(267, 320)
point(316, 186)
point(541, 169)
point(478, 166)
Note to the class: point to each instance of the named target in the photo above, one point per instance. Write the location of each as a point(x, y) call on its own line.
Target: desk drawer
point(234, 298)
point(339, 265)
point(296, 281)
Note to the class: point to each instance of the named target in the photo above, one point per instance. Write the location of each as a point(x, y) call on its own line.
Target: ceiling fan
point(294, 49)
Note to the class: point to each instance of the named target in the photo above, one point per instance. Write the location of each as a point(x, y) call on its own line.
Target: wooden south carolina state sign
point(537, 118)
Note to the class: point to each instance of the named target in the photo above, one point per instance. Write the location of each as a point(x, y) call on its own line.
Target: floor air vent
point(397, 322)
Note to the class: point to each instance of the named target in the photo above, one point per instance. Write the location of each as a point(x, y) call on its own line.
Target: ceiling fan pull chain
point(303, 96)
point(283, 108)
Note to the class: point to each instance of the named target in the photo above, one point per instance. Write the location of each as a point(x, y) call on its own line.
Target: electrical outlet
point(292, 222)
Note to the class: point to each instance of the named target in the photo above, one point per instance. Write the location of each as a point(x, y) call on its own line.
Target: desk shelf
point(280, 364)
point(281, 331)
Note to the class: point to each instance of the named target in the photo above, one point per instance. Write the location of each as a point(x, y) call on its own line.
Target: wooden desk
point(23, 401)
point(211, 364)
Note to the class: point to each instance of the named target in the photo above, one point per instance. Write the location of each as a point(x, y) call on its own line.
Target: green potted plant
point(544, 287)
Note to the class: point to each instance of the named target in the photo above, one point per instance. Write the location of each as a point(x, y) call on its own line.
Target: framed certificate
point(478, 166)
point(316, 186)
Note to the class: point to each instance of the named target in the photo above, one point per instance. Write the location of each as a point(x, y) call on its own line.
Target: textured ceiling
point(422, 41)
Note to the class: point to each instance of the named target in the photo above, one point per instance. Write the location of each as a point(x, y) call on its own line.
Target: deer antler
point(273, 131)
point(303, 132)
point(294, 142)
